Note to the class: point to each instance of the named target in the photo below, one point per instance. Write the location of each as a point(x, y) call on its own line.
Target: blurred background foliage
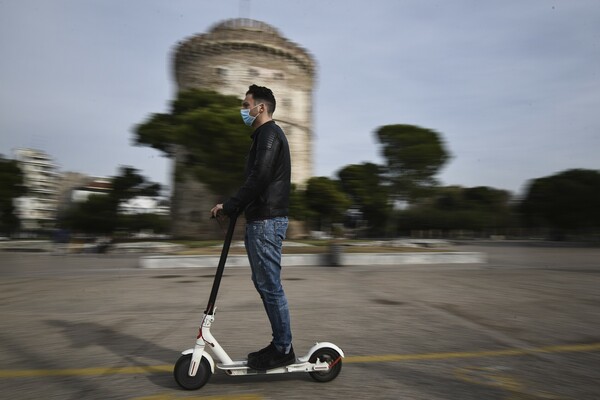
point(399, 197)
point(206, 128)
point(11, 187)
point(100, 213)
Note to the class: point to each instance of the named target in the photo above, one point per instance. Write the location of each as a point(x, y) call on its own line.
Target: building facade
point(37, 209)
point(231, 56)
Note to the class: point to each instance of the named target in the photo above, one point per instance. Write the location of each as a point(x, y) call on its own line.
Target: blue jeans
point(263, 242)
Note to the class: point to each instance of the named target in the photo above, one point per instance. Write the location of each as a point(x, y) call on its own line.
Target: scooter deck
point(241, 368)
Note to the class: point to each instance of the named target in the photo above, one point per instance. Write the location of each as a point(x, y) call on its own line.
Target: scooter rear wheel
point(187, 382)
point(331, 357)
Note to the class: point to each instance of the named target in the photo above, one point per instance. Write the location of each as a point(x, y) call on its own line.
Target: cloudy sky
point(512, 86)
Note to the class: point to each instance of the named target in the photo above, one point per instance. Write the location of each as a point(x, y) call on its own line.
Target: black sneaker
point(270, 347)
point(271, 358)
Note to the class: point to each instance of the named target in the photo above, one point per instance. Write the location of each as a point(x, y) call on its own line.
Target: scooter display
point(193, 369)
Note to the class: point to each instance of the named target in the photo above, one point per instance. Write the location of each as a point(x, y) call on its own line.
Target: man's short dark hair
point(262, 94)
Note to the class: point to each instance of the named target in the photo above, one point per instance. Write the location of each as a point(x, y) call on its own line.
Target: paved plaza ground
point(524, 325)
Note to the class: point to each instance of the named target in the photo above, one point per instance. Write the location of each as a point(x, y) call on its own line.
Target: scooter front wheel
point(182, 377)
point(331, 357)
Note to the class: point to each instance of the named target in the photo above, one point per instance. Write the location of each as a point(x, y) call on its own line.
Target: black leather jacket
point(266, 191)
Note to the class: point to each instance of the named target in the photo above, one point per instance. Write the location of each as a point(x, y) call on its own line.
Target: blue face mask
point(248, 119)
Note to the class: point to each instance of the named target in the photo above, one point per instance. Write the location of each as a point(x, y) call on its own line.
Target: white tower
point(231, 56)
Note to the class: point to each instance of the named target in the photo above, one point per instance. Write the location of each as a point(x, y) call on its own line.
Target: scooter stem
point(210, 307)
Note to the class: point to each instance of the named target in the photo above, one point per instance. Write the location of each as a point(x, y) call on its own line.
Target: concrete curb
point(319, 259)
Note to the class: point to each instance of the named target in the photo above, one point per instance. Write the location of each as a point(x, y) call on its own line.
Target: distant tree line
point(100, 213)
point(400, 197)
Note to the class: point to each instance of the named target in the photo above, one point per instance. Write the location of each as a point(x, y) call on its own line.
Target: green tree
point(145, 222)
point(11, 187)
point(206, 127)
point(567, 201)
point(298, 204)
point(100, 213)
point(326, 201)
point(481, 209)
point(365, 185)
point(129, 184)
point(413, 155)
point(96, 215)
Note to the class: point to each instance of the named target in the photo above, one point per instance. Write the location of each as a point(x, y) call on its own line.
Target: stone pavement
point(524, 325)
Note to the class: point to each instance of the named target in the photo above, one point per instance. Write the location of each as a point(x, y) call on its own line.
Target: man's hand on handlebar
point(216, 211)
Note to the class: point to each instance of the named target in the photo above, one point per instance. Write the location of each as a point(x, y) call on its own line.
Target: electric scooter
point(195, 366)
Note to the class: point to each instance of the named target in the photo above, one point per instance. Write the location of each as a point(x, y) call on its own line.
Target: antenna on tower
point(245, 9)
